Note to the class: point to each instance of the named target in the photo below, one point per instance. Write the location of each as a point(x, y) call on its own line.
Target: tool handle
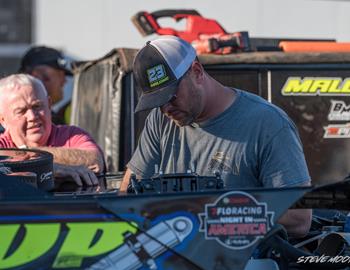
point(174, 13)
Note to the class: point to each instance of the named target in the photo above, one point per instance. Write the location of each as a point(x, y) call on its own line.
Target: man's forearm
point(70, 156)
point(126, 180)
point(297, 221)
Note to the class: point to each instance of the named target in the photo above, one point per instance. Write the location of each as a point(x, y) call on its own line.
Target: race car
point(175, 221)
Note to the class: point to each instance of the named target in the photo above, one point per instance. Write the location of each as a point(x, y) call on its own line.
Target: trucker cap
point(158, 68)
point(42, 55)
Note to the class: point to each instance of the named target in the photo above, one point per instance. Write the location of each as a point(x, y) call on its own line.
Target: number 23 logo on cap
point(157, 75)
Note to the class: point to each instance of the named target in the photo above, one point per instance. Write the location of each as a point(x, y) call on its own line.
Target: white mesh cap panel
point(178, 53)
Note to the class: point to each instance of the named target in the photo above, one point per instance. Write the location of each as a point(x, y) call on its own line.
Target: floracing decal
point(316, 86)
point(236, 220)
point(94, 245)
point(339, 111)
point(337, 131)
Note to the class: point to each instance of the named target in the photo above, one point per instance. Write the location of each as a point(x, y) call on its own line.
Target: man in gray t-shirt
point(252, 144)
point(200, 125)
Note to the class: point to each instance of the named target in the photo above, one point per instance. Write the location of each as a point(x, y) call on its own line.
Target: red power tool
point(206, 35)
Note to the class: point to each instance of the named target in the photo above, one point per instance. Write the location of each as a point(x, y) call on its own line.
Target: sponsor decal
point(39, 239)
point(236, 220)
point(157, 75)
point(142, 249)
point(339, 111)
point(45, 176)
point(337, 131)
point(316, 86)
point(92, 245)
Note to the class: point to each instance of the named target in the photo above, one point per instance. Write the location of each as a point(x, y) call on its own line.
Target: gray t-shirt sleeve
point(147, 153)
point(282, 162)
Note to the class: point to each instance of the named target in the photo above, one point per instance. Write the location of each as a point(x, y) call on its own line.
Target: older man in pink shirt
point(25, 115)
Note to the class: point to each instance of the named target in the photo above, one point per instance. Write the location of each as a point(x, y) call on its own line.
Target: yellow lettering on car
point(83, 240)
point(335, 86)
point(37, 240)
point(296, 85)
point(321, 85)
point(346, 86)
point(313, 86)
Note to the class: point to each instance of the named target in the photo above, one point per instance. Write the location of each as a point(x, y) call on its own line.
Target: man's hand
point(126, 179)
point(78, 174)
point(297, 222)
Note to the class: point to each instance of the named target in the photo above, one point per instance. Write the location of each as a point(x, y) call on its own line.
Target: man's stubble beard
point(195, 108)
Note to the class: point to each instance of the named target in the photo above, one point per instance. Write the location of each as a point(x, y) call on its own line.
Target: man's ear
point(198, 71)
